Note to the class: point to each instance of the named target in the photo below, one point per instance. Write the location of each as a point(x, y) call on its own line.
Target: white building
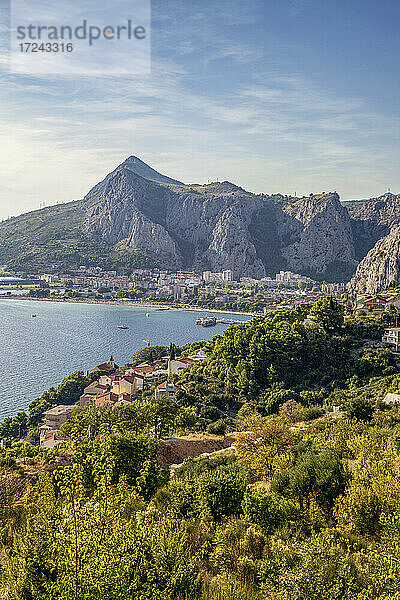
point(227, 276)
point(391, 337)
point(165, 389)
point(290, 279)
point(222, 277)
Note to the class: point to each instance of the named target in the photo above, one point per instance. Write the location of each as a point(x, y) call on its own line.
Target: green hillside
point(52, 239)
point(306, 506)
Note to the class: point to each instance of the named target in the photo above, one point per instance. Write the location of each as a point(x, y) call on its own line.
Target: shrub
point(218, 427)
point(314, 412)
point(268, 510)
point(359, 409)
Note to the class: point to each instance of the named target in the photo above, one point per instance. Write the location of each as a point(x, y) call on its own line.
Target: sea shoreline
point(131, 303)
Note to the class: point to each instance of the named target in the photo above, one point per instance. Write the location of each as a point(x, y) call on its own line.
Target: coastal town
point(116, 387)
point(186, 289)
point(209, 290)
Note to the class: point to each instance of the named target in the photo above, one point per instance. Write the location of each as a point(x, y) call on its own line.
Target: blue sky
point(284, 96)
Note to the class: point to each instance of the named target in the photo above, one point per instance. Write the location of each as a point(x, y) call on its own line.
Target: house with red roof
point(377, 302)
point(145, 374)
point(91, 391)
point(127, 384)
point(112, 400)
point(178, 364)
point(107, 398)
point(108, 366)
point(123, 400)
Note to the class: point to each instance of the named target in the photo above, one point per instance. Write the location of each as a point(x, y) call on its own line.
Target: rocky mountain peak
point(220, 225)
point(136, 165)
point(316, 234)
point(136, 211)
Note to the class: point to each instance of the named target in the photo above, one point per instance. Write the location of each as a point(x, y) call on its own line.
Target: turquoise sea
point(37, 353)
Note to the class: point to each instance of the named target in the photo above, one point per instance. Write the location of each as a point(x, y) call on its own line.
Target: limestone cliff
point(213, 226)
point(380, 267)
point(318, 231)
point(127, 208)
point(137, 217)
point(372, 219)
point(190, 228)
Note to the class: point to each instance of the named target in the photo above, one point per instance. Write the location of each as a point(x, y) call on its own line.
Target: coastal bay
point(38, 352)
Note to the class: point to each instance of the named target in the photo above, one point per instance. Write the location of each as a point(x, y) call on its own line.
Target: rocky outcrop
point(380, 267)
point(231, 247)
point(372, 219)
point(212, 226)
point(191, 228)
point(127, 209)
point(321, 229)
point(383, 211)
point(138, 217)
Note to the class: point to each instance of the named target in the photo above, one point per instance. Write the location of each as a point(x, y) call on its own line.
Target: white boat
point(209, 322)
point(122, 327)
point(147, 314)
point(33, 316)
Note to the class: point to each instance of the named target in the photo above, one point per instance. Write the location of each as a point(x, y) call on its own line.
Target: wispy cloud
point(265, 128)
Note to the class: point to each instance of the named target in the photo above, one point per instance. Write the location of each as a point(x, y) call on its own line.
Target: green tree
point(329, 313)
point(261, 447)
point(172, 351)
point(163, 414)
point(359, 408)
point(319, 475)
point(136, 458)
point(267, 509)
point(149, 353)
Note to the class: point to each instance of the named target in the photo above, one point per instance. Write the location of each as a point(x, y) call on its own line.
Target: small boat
point(122, 327)
point(33, 316)
point(199, 321)
point(147, 314)
point(209, 322)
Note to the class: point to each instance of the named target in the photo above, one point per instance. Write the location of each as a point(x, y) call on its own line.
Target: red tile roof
point(108, 398)
point(54, 435)
point(165, 384)
point(144, 369)
point(94, 386)
point(128, 378)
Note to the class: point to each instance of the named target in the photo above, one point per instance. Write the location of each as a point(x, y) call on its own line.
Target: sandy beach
point(131, 303)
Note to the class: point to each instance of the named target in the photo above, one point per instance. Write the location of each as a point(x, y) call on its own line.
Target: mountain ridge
point(137, 216)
